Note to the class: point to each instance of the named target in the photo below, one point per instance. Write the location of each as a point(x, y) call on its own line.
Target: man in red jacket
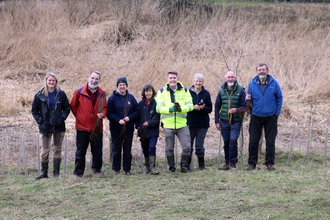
point(89, 106)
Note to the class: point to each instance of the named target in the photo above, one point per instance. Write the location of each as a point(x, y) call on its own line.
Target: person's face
point(230, 78)
point(262, 72)
point(93, 80)
point(172, 80)
point(122, 88)
point(198, 83)
point(51, 82)
point(148, 94)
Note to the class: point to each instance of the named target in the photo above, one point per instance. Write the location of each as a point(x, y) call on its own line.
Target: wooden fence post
point(4, 159)
point(292, 144)
point(325, 147)
point(65, 154)
point(219, 153)
point(141, 161)
point(38, 152)
point(24, 158)
point(309, 143)
point(19, 156)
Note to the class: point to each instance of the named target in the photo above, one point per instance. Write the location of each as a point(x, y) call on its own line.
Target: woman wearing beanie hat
point(123, 111)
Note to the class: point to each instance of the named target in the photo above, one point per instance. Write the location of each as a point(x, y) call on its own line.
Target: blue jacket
point(200, 119)
point(151, 116)
point(41, 111)
point(119, 107)
point(269, 103)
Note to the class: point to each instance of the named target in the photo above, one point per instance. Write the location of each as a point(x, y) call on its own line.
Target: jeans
point(149, 149)
point(270, 126)
point(230, 134)
point(117, 147)
point(198, 134)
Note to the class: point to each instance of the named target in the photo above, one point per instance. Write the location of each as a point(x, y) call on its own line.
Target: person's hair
point(198, 76)
point(97, 72)
point(230, 72)
point(146, 88)
point(261, 64)
point(45, 92)
point(172, 72)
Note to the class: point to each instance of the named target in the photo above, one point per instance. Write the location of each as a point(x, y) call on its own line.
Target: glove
point(171, 109)
point(177, 107)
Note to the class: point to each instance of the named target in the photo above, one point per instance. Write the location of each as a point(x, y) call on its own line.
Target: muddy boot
point(184, 164)
point(232, 167)
point(152, 165)
point(44, 171)
point(170, 161)
point(201, 163)
point(147, 162)
point(225, 167)
point(57, 165)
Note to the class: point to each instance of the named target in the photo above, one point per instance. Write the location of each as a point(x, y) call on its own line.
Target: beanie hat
point(122, 80)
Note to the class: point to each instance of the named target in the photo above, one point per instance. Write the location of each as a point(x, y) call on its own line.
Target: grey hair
point(198, 76)
point(261, 64)
point(45, 92)
point(95, 71)
point(230, 71)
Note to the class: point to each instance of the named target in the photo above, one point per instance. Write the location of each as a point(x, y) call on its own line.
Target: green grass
point(297, 191)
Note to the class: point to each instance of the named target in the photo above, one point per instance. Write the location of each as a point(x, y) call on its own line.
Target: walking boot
point(170, 161)
point(152, 160)
point(225, 167)
point(201, 163)
point(232, 166)
point(57, 165)
point(44, 171)
point(184, 164)
point(147, 162)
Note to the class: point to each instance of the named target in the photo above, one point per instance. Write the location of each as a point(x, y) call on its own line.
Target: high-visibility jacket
point(166, 98)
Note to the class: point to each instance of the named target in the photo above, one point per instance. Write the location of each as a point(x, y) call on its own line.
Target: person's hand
point(202, 106)
point(177, 107)
point(218, 126)
point(145, 124)
point(126, 119)
point(196, 107)
point(100, 115)
point(248, 97)
point(122, 122)
point(232, 111)
point(171, 109)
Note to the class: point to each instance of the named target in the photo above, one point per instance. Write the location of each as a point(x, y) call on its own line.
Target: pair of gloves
point(176, 108)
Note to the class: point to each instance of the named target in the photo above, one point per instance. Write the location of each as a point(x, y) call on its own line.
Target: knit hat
point(122, 80)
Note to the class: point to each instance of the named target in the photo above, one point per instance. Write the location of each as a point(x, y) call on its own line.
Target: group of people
point(180, 111)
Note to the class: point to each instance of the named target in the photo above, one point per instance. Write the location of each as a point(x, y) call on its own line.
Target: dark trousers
point(270, 126)
point(82, 142)
point(198, 134)
point(230, 134)
point(117, 146)
point(149, 147)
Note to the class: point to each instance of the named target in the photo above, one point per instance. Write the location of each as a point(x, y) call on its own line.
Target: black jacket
point(200, 119)
point(41, 111)
point(151, 116)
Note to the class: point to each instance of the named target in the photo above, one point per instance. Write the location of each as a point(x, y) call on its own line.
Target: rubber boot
point(189, 162)
point(225, 167)
point(57, 165)
point(44, 171)
point(170, 161)
point(152, 160)
point(184, 164)
point(147, 162)
point(201, 163)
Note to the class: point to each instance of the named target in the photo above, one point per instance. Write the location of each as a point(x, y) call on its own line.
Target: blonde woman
point(50, 108)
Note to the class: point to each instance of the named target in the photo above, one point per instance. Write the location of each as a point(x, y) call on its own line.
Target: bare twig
point(90, 13)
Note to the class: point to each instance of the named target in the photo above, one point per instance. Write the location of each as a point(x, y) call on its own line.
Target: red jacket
point(82, 108)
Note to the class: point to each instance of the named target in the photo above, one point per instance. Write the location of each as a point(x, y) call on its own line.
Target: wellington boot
point(147, 162)
point(44, 171)
point(57, 165)
point(184, 164)
point(152, 160)
point(170, 161)
point(201, 163)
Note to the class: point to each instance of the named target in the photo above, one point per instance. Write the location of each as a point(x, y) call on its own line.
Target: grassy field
point(291, 192)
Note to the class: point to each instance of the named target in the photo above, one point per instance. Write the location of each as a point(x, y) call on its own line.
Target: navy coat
point(151, 116)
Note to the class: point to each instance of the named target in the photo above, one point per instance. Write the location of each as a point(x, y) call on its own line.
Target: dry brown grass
point(141, 43)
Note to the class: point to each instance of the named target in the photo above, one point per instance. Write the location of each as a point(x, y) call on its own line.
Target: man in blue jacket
point(266, 98)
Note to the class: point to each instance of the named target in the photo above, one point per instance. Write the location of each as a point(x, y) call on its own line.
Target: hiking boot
point(270, 167)
point(116, 172)
point(225, 167)
point(44, 171)
point(232, 167)
point(128, 173)
point(152, 160)
point(251, 167)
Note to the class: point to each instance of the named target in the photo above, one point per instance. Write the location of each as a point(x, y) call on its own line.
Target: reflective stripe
point(178, 115)
point(189, 107)
point(160, 103)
